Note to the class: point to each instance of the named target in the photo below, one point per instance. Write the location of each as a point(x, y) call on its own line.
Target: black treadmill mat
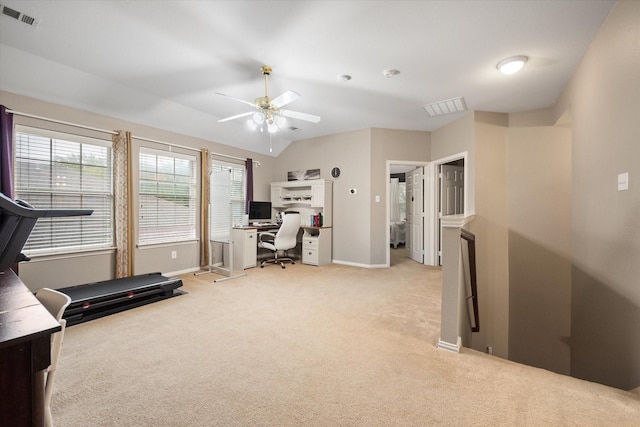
point(98, 290)
point(94, 300)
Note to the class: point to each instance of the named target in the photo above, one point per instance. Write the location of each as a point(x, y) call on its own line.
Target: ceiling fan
point(269, 111)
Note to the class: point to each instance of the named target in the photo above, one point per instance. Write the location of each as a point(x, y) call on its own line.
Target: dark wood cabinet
point(25, 352)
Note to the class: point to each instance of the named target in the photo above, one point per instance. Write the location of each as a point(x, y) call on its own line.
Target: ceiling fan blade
point(237, 116)
point(237, 99)
point(301, 116)
point(285, 98)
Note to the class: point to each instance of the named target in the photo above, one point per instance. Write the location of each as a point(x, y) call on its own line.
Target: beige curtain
point(204, 208)
point(122, 205)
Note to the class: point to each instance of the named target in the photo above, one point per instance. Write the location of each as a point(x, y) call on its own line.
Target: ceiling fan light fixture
point(512, 64)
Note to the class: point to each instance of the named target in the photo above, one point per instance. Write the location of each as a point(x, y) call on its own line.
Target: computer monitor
point(259, 211)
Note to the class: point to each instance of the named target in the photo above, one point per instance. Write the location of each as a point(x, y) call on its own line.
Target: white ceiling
point(159, 63)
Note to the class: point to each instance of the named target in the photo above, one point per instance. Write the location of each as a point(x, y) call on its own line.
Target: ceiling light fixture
point(390, 73)
point(512, 64)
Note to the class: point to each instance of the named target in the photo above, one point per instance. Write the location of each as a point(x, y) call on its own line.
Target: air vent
point(453, 105)
point(19, 16)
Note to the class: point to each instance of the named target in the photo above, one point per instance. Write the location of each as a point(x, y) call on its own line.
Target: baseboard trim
point(449, 346)
point(355, 264)
point(181, 272)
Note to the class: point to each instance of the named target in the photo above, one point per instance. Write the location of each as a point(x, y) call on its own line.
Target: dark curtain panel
point(249, 167)
point(6, 143)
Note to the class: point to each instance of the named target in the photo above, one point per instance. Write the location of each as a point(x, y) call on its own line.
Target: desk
point(245, 244)
point(25, 352)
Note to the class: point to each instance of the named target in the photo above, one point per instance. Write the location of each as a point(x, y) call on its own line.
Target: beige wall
point(455, 138)
point(539, 206)
point(604, 96)
point(490, 226)
point(350, 152)
point(359, 222)
point(398, 145)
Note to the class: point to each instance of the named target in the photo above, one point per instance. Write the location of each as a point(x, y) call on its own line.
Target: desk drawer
point(310, 242)
point(309, 256)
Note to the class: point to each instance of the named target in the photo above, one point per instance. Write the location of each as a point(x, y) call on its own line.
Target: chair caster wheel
point(261, 265)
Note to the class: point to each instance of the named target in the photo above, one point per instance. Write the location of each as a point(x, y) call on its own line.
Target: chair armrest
point(266, 236)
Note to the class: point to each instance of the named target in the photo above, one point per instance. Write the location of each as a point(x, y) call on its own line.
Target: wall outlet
point(174, 254)
point(489, 350)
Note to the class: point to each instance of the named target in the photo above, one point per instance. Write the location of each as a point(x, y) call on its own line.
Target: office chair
point(55, 302)
point(283, 240)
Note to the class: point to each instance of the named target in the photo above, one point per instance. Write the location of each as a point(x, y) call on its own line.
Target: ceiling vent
point(453, 105)
point(19, 16)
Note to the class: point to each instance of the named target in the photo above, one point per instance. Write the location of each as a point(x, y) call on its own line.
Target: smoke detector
point(19, 16)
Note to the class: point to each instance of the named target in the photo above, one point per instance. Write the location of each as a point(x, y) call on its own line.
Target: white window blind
point(167, 189)
point(236, 194)
point(63, 171)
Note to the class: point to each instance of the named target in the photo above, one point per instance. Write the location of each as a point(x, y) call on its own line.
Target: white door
point(415, 214)
point(451, 196)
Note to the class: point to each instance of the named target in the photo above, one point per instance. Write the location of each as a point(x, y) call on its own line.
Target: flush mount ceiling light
point(390, 73)
point(448, 106)
point(512, 64)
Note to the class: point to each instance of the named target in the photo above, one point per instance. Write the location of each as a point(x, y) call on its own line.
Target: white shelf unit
point(310, 198)
point(307, 197)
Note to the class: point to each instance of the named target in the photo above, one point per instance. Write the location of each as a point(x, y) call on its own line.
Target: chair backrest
point(55, 302)
point(287, 235)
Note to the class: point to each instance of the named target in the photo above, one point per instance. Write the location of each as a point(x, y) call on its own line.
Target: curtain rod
point(33, 116)
point(191, 148)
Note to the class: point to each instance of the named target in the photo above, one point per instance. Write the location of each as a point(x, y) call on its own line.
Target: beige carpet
point(308, 346)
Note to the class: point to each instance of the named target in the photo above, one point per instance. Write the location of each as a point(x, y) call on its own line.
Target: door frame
point(427, 208)
point(434, 191)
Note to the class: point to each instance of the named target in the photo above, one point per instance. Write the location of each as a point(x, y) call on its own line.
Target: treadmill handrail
point(17, 208)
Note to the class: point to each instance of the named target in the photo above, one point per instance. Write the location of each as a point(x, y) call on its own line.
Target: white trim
point(181, 272)
point(434, 197)
point(450, 347)
point(69, 255)
point(425, 230)
point(456, 221)
point(145, 246)
point(355, 264)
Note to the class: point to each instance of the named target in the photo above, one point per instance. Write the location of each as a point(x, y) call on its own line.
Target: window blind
point(62, 171)
point(236, 193)
point(167, 191)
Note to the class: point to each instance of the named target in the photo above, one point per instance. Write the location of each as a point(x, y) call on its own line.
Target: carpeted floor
point(308, 346)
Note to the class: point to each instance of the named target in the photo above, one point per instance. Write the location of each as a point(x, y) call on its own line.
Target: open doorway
point(406, 211)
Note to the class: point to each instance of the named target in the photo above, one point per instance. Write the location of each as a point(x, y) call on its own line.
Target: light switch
point(377, 198)
point(623, 181)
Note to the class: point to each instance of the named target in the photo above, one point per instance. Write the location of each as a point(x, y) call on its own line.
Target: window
point(167, 197)
point(237, 189)
point(63, 171)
